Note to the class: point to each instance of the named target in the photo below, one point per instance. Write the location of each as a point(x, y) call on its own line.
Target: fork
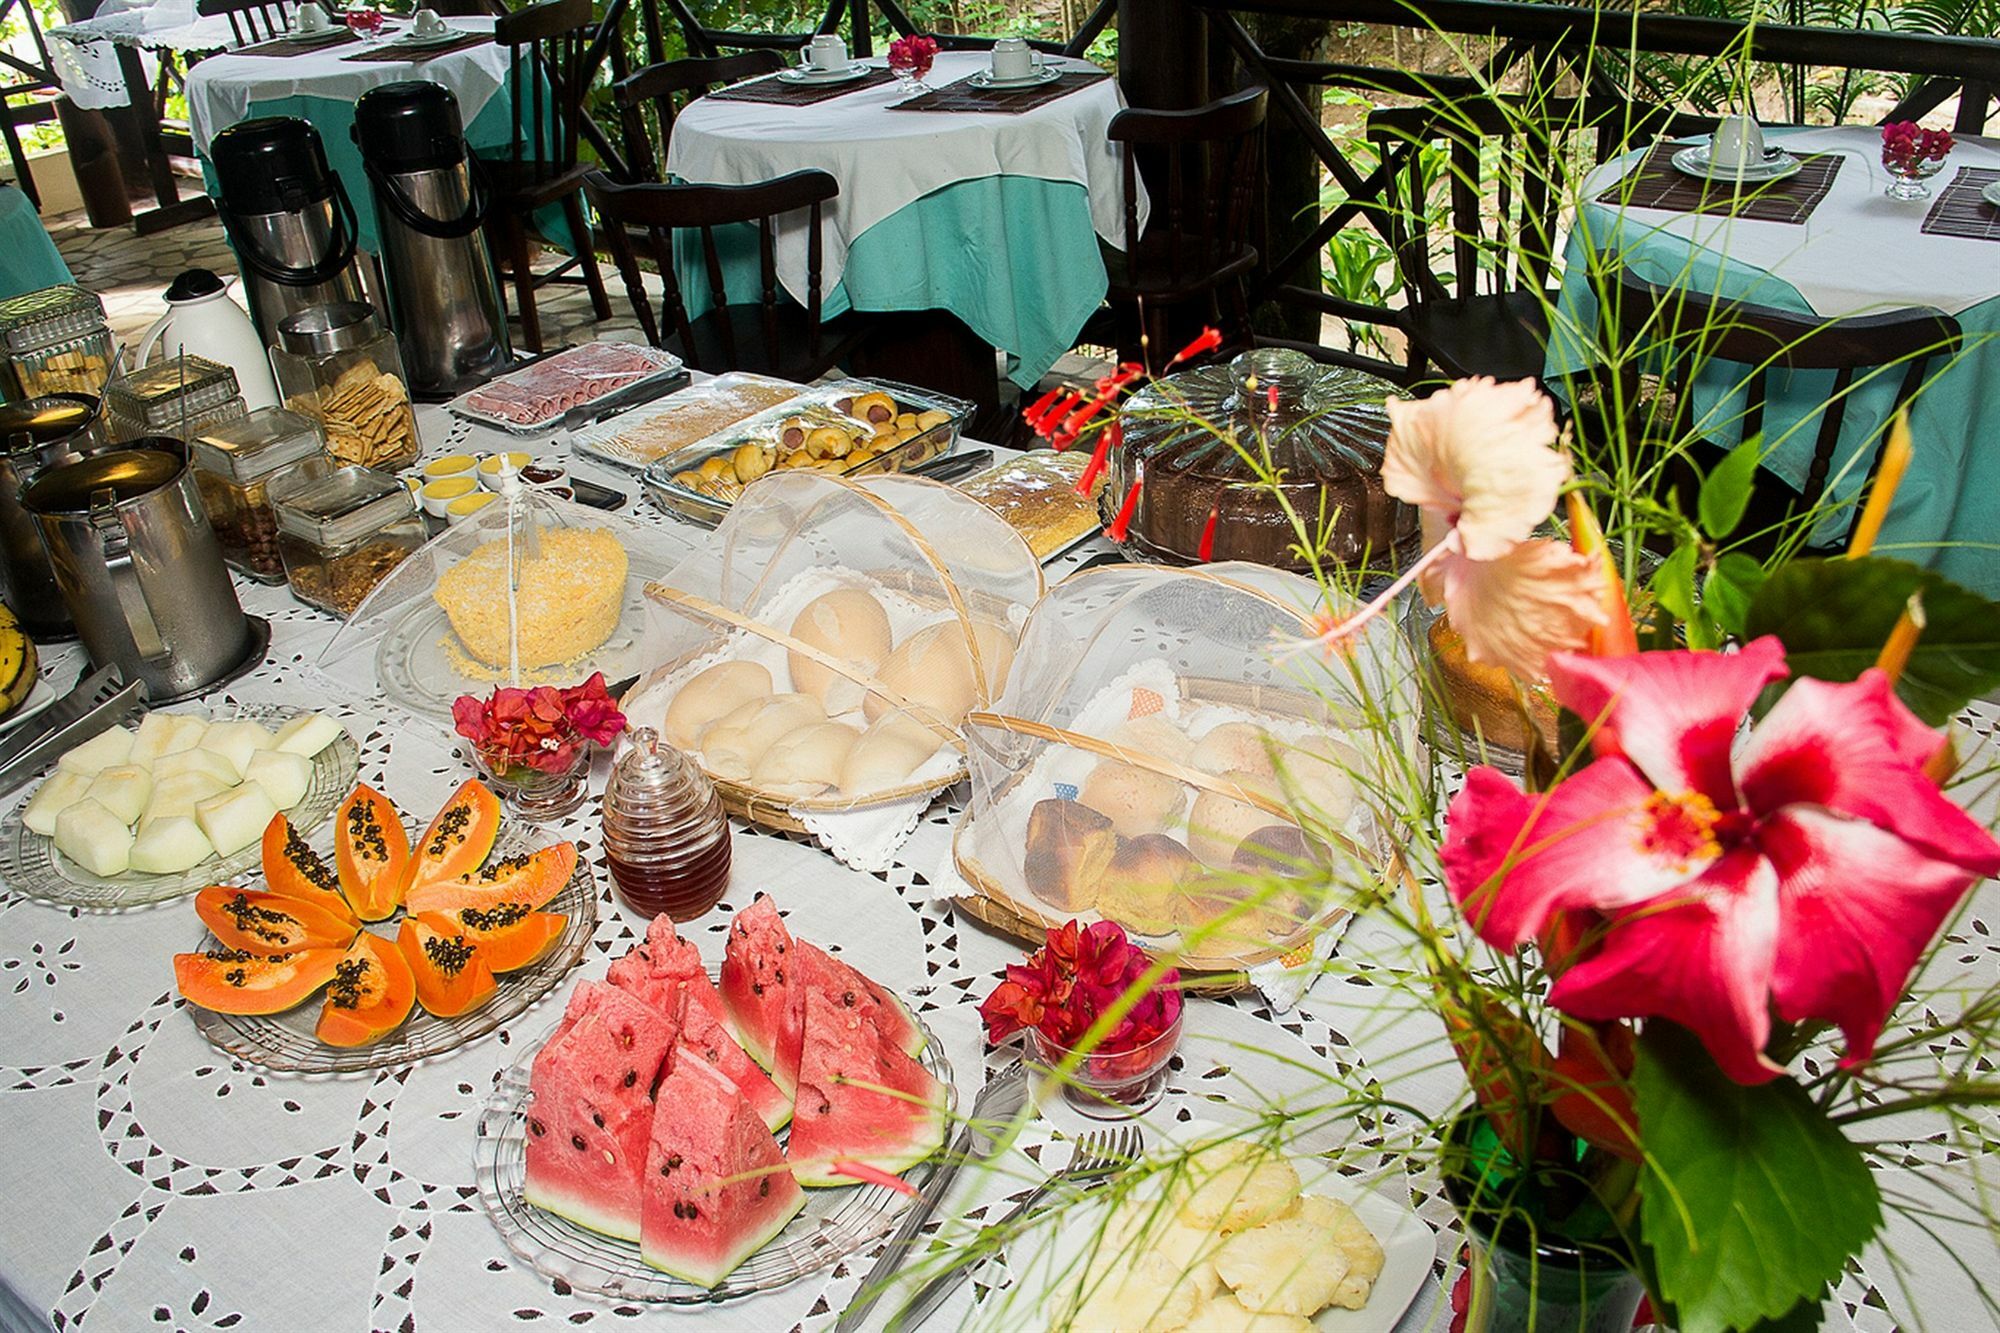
point(1099, 1156)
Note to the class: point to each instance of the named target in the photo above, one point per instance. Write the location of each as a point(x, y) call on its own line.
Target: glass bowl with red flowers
point(910, 60)
point(1101, 1017)
point(533, 745)
point(1912, 155)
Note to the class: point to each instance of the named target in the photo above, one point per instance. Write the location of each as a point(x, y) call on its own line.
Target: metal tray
point(666, 365)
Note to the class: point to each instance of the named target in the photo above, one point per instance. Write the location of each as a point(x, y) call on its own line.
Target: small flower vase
point(910, 78)
point(536, 793)
point(1907, 177)
point(1112, 1085)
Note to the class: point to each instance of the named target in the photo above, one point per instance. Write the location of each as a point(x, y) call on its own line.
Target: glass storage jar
point(241, 466)
point(55, 341)
point(180, 396)
point(338, 365)
point(342, 534)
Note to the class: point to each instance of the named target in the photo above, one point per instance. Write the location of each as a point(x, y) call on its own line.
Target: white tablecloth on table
point(887, 160)
point(86, 53)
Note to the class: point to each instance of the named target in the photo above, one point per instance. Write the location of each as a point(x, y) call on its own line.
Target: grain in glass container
point(339, 366)
point(241, 467)
point(181, 397)
point(54, 341)
point(342, 534)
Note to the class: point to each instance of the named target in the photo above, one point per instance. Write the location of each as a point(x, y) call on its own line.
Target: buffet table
point(156, 1183)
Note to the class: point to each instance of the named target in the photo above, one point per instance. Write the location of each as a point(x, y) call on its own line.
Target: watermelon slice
point(715, 1189)
point(591, 1111)
point(850, 986)
point(861, 1098)
point(762, 1008)
point(667, 973)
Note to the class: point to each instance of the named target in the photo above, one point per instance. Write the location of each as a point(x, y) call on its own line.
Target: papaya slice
point(530, 879)
point(372, 853)
point(268, 923)
point(292, 869)
point(237, 981)
point(510, 936)
point(458, 839)
point(371, 994)
point(452, 978)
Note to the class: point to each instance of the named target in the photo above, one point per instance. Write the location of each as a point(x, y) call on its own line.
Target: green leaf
point(1729, 588)
point(1834, 616)
point(1725, 494)
point(1673, 582)
point(1750, 1200)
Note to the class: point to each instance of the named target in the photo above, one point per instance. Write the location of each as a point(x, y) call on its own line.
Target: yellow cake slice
point(569, 601)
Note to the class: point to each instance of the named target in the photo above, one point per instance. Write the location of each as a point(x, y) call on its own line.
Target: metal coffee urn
point(36, 434)
point(288, 219)
point(444, 302)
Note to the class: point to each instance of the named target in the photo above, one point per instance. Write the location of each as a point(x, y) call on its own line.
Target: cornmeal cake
point(569, 601)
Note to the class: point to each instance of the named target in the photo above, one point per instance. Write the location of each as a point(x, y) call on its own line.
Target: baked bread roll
point(1234, 747)
point(807, 761)
point(887, 753)
point(1069, 846)
point(1482, 697)
point(849, 624)
point(1235, 917)
point(1283, 849)
point(1143, 885)
point(1137, 801)
point(1154, 735)
point(721, 689)
point(1320, 786)
point(1218, 824)
point(732, 747)
point(933, 670)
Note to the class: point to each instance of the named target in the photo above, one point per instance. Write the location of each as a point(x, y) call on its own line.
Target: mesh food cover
point(820, 650)
point(1167, 755)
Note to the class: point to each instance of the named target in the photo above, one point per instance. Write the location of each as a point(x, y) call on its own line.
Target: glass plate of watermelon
point(834, 1224)
point(285, 1042)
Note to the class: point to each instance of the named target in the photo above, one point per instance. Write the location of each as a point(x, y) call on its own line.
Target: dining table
point(1830, 243)
point(155, 1181)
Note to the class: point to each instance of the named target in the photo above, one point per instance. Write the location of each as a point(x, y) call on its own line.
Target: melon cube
point(307, 735)
point(99, 752)
point(61, 791)
point(169, 846)
point(94, 838)
point(178, 794)
point(162, 734)
point(283, 776)
point(196, 761)
point(123, 789)
point(236, 818)
point(231, 742)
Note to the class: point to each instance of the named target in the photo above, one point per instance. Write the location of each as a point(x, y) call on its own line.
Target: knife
point(1001, 1100)
point(953, 466)
point(625, 399)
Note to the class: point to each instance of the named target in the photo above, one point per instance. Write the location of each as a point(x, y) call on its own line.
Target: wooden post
point(1162, 54)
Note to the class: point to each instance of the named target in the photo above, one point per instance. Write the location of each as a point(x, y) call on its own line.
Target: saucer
point(1777, 165)
point(1991, 194)
point(807, 74)
point(985, 78)
point(412, 41)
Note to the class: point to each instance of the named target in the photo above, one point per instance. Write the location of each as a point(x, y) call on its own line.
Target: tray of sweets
point(687, 417)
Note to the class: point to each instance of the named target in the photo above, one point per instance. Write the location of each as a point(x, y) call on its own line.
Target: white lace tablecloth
point(151, 1182)
point(86, 53)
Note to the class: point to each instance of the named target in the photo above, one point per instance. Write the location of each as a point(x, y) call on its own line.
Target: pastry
point(1218, 824)
point(732, 746)
point(807, 760)
point(842, 437)
point(1036, 493)
point(1240, 913)
point(569, 597)
point(932, 670)
point(887, 753)
point(1484, 700)
point(721, 689)
point(1137, 801)
point(1069, 847)
point(1234, 747)
point(848, 624)
point(873, 408)
point(1282, 849)
point(1320, 786)
point(1154, 735)
point(1142, 888)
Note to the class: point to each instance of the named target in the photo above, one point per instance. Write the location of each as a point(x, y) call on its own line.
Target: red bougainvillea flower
point(592, 711)
point(1802, 871)
point(1072, 980)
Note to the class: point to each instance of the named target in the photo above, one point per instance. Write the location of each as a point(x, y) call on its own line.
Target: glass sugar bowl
point(180, 397)
point(666, 837)
point(339, 366)
point(55, 341)
point(240, 466)
point(340, 535)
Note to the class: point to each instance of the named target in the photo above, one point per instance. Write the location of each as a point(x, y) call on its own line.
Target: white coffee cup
point(1738, 142)
point(827, 52)
point(310, 17)
point(427, 22)
point(1013, 58)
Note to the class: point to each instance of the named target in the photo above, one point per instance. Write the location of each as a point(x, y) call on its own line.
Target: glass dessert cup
point(538, 794)
point(1111, 1085)
point(1906, 178)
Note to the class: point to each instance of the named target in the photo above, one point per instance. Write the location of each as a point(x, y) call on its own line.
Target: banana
point(18, 664)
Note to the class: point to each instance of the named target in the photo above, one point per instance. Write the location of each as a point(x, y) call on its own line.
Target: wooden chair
point(251, 20)
point(662, 90)
point(1199, 242)
point(769, 334)
point(1692, 328)
point(546, 79)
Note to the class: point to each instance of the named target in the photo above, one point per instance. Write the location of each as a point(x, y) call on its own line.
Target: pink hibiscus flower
point(1801, 872)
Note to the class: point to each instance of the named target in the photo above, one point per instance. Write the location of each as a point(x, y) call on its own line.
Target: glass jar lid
point(257, 445)
point(323, 330)
point(162, 395)
point(34, 320)
point(1309, 420)
point(344, 506)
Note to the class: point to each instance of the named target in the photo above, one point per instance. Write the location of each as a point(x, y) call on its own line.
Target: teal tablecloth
point(1015, 257)
point(29, 260)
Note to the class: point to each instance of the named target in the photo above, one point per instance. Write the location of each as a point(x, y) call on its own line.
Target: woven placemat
point(780, 92)
point(293, 46)
point(1960, 211)
point(963, 96)
point(387, 54)
point(1658, 183)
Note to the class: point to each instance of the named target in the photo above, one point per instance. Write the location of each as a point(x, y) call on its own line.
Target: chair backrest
point(251, 20)
point(546, 80)
point(657, 92)
point(652, 213)
point(1208, 163)
point(1695, 327)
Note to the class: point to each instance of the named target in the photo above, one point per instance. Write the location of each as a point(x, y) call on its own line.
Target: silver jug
point(140, 568)
point(34, 434)
point(287, 217)
point(430, 204)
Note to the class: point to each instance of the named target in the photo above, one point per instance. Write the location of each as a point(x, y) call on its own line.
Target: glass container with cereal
point(240, 466)
point(340, 535)
point(339, 366)
point(55, 341)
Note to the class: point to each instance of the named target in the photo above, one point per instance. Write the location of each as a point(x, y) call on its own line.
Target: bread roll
point(722, 688)
point(732, 747)
point(933, 670)
point(887, 753)
point(1319, 786)
point(1154, 735)
point(1218, 824)
point(1142, 888)
point(1069, 846)
point(1137, 801)
point(805, 761)
point(1234, 747)
point(849, 624)
point(1283, 849)
point(1240, 916)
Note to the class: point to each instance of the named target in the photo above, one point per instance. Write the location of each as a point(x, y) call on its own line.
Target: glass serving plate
point(682, 418)
point(285, 1042)
point(575, 362)
point(31, 866)
point(835, 1223)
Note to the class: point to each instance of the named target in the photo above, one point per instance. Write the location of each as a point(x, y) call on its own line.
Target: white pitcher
point(202, 320)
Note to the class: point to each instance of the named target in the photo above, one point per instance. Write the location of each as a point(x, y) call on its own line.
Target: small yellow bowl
point(451, 465)
point(436, 496)
point(489, 466)
point(465, 506)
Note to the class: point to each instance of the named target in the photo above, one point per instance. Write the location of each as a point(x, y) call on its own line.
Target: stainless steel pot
point(287, 217)
point(139, 566)
point(34, 434)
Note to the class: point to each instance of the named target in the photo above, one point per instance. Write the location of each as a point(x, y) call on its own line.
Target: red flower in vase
point(541, 727)
point(913, 55)
point(1075, 978)
point(1906, 145)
